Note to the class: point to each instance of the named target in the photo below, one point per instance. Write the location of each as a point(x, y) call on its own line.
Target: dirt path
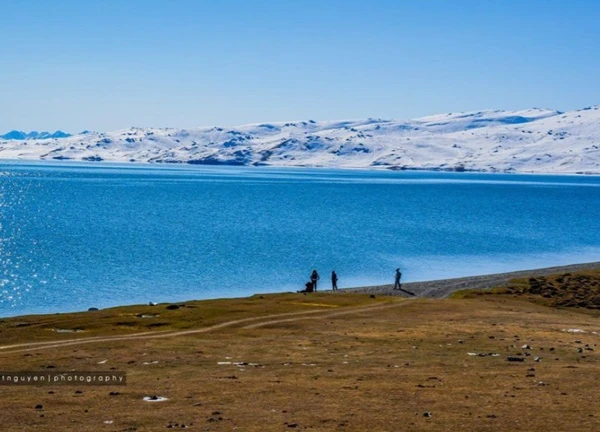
point(271, 319)
point(445, 287)
point(346, 311)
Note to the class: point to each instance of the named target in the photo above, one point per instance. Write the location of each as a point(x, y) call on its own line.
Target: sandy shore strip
point(444, 287)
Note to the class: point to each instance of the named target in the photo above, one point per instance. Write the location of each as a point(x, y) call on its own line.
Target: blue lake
point(78, 236)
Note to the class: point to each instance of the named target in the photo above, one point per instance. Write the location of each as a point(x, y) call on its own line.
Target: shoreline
point(439, 288)
point(442, 288)
point(146, 164)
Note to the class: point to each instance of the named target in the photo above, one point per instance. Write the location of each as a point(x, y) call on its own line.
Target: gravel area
point(445, 287)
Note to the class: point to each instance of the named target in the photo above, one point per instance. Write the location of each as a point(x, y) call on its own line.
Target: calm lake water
point(79, 236)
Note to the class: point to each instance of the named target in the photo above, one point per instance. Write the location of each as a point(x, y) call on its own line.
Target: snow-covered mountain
point(534, 140)
point(20, 135)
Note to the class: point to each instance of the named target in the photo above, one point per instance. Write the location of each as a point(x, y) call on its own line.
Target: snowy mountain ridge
point(20, 135)
point(533, 140)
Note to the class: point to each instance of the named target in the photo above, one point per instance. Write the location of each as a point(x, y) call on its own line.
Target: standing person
point(314, 277)
point(397, 284)
point(334, 280)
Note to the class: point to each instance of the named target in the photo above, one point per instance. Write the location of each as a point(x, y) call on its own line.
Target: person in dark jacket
point(308, 288)
point(334, 280)
point(314, 277)
point(397, 284)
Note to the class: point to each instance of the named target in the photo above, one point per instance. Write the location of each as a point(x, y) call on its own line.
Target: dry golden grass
point(352, 363)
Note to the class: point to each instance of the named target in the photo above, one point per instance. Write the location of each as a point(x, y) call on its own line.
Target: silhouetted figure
point(334, 280)
point(308, 287)
point(397, 284)
point(314, 277)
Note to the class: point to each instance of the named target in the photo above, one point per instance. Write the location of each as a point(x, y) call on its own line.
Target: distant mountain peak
point(20, 135)
point(14, 135)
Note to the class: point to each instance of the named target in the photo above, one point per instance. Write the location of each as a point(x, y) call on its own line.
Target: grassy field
point(320, 362)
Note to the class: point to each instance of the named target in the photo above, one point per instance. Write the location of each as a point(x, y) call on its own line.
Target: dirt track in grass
point(262, 321)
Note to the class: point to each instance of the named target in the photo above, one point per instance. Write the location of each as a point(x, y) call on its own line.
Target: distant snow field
point(534, 140)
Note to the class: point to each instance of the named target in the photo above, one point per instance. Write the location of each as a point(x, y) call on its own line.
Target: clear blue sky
point(106, 65)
